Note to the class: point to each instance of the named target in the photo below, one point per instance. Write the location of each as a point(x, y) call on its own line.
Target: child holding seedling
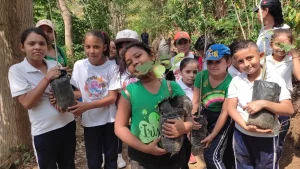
point(285, 61)
point(97, 80)
point(213, 85)
point(254, 147)
point(139, 102)
point(53, 133)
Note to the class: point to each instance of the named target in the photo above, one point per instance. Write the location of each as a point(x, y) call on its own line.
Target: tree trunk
point(15, 17)
point(220, 9)
point(67, 17)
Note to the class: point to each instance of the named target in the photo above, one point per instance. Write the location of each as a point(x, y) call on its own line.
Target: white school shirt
point(267, 35)
point(126, 79)
point(233, 71)
point(176, 71)
point(283, 68)
point(241, 88)
point(188, 90)
point(94, 83)
point(23, 77)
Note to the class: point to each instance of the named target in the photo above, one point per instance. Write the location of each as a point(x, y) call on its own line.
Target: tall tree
point(15, 17)
point(67, 17)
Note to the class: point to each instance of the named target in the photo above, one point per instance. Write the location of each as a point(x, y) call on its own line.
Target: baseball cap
point(181, 35)
point(126, 35)
point(217, 51)
point(45, 22)
point(268, 4)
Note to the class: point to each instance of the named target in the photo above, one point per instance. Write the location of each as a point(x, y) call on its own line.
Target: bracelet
point(47, 79)
point(296, 57)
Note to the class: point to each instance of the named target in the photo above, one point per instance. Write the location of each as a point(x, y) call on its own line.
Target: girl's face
point(281, 38)
point(94, 47)
point(217, 67)
point(189, 72)
point(112, 51)
point(135, 57)
point(264, 13)
point(35, 46)
point(49, 32)
point(123, 44)
point(248, 59)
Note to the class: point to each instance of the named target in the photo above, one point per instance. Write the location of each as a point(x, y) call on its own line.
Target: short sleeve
point(198, 80)
point(232, 91)
point(284, 93)
point(18, 83)
point(75, 76)
point(114, 80)
point(176, 89)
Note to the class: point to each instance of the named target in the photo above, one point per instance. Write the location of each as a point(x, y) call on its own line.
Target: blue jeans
point(101, 138)
point(56, 148)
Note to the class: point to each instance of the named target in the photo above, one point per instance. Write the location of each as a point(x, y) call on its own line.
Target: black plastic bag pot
point(62, 91)
point(263, 90)
point(198, 135)
point(173, 108)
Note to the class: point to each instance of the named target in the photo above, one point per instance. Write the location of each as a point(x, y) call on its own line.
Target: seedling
point(286, 47)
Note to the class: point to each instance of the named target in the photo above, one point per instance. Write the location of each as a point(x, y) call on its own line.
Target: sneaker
point(192, 159)
point(121, 162)
point(103, 158)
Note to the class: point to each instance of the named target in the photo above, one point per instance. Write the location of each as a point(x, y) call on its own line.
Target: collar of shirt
point(183, 85)
point(29, 68)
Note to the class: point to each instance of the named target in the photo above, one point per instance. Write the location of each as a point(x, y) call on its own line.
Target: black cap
point(271, 4)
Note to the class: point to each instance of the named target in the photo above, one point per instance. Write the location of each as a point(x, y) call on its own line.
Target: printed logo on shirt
point(149, 128)
point(210, 98)
point(96, 87)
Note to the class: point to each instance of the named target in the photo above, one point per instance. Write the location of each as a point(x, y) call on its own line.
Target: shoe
point(121, 162)
point(192, 159)
point(103, 158)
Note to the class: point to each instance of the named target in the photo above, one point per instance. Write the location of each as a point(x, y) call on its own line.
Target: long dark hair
point(276, 12)
point(32, 30)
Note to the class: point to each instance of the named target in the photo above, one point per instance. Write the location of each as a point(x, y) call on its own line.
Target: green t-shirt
point(212, 98)
point(62, 59)
point(144, 115)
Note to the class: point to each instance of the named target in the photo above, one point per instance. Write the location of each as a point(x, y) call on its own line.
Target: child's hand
point(69, 70)
point(253, 128)
point(254, 106)
point(78, 109)
point(53, 73)
point(52, 99)
point(196, 125)
point(153, 149)
point(207, 140)
point(173, 128)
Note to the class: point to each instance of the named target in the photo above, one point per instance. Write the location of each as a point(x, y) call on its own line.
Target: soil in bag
point(62, 91)
point(173, 108)
point(198, 135)
point(263, 90)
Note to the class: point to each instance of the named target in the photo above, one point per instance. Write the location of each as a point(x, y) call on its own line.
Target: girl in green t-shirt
point(139, 102)
point(212, 85)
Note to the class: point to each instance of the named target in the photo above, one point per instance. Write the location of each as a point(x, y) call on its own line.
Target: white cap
point(45, 22)
point(126, 35)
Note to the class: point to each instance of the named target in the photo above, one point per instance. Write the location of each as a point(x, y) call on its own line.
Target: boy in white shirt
point(254, 147)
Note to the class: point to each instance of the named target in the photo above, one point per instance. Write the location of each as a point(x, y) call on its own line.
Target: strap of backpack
point(169, 88)
point(127, 93)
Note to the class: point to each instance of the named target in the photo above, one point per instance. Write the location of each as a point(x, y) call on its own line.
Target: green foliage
point(286, 47)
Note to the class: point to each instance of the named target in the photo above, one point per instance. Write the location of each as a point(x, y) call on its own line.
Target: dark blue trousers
point(285, 125)
point(255, 152)
point(56, 149)
point(213, 155)
point(101, 138)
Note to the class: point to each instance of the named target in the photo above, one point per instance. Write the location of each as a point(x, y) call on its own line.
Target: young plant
point(160, 65)
point(286, 47)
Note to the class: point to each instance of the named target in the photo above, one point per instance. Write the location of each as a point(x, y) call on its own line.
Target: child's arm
point(296, 63)
point(81, 107)
point(77, 94)
point(195, 100)
point(219, 125)
point(122, 131)
point(174, 128)
point(30, 99)
point(235, 115)
point(283, 108)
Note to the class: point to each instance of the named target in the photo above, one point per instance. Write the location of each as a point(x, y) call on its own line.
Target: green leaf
point(165, 57)
point(159, 70)
point(174, 67)
point(178, 58)
point(166, 64)
point(286, 47)
point(144, 69)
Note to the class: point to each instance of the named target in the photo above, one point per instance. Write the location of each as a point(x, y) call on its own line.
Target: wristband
point(47, 79)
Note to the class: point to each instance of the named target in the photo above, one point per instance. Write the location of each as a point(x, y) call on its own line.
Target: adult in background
point(145, 37)
point(200, 46)
point(272, 17)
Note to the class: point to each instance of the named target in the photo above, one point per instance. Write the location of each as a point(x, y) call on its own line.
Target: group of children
point(120, 104)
